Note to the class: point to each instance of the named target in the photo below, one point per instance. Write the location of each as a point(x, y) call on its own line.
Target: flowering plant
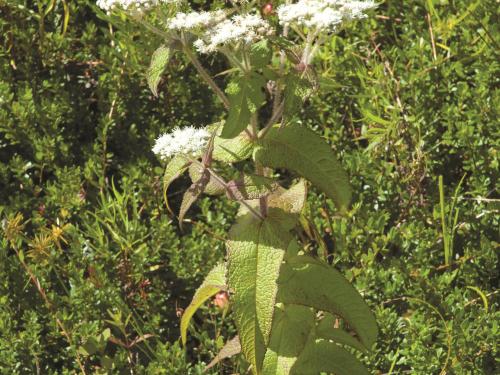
point(294, 313)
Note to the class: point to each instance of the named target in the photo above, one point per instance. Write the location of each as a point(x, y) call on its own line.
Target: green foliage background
point(410, 95)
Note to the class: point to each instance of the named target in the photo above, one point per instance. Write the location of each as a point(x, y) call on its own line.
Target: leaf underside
point(214, 282)
point(256, 249)
point(159, 62)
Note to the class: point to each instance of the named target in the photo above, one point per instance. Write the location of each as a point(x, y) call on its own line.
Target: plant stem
point(274, 118)
point(204, 74)
point(224, 184)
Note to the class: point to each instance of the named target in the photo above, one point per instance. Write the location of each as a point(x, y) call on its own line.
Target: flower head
point(195, 20)
point(186, 141)
point(108, 5)
point(245, 28)
point(322, 14)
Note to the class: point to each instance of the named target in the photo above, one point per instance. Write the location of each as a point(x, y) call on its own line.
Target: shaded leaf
point(192, 194)
point(326, 330)
point(301, 150)
point(213, 187)
point(175, 168)
point(159, 62)
point(307, 281)
point(324, 356)
point(213, 283)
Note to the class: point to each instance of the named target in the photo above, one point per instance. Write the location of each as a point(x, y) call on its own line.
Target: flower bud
point(221, 300)
point(267, 9)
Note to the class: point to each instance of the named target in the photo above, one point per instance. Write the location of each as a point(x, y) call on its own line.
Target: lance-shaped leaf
point(213, 283)
point(301, 150)
point(255, 252)
point(192, 194)
point(159, 62)
point(251, 187)
point(232, 347)
point(245, 98)
point(307, 281)
point(291, 329)
point(175, 168)
point(321, 356)
point(213, 186)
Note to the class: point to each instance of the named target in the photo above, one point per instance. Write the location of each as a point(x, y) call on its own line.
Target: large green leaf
point(310, 282)
point(245, 98)
point(301, 150)
point(214, 282)
point(175, 168)
point(325, 356)
point(159, 62)
point(296, 346)
point(255, 252)
point(291, 329)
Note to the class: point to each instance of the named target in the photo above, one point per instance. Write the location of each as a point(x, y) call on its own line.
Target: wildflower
point(187, 141)
point(195, 20)
point(245, 28)
point(322, 14)
point(108, 5)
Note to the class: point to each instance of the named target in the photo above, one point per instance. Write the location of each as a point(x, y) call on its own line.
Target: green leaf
point(175, 168)
point(232, 150)
point(245, 98)
point(255, 252)
point(291, 328)
point(301, 150)
point(307, 281)
point(213, 186)
point(326, 330)
point(213, 283)
point(251, 187)
point(232, 347)
point(159, 62)
point(325, 356)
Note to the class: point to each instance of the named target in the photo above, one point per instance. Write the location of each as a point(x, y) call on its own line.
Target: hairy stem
point(204, 74)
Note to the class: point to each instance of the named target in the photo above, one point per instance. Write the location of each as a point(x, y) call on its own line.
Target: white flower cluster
point(108, 5)
point(186, 141)
point(195, 20)
point(322, 14)
point(245, 28)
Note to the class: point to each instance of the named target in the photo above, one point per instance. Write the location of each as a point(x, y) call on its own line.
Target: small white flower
point(322, 14)
point(187, 141)
point(108, 5)
point(245, 28)
point(195, 20)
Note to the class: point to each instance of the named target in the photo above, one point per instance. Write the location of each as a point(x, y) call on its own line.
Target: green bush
point(83, 211)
